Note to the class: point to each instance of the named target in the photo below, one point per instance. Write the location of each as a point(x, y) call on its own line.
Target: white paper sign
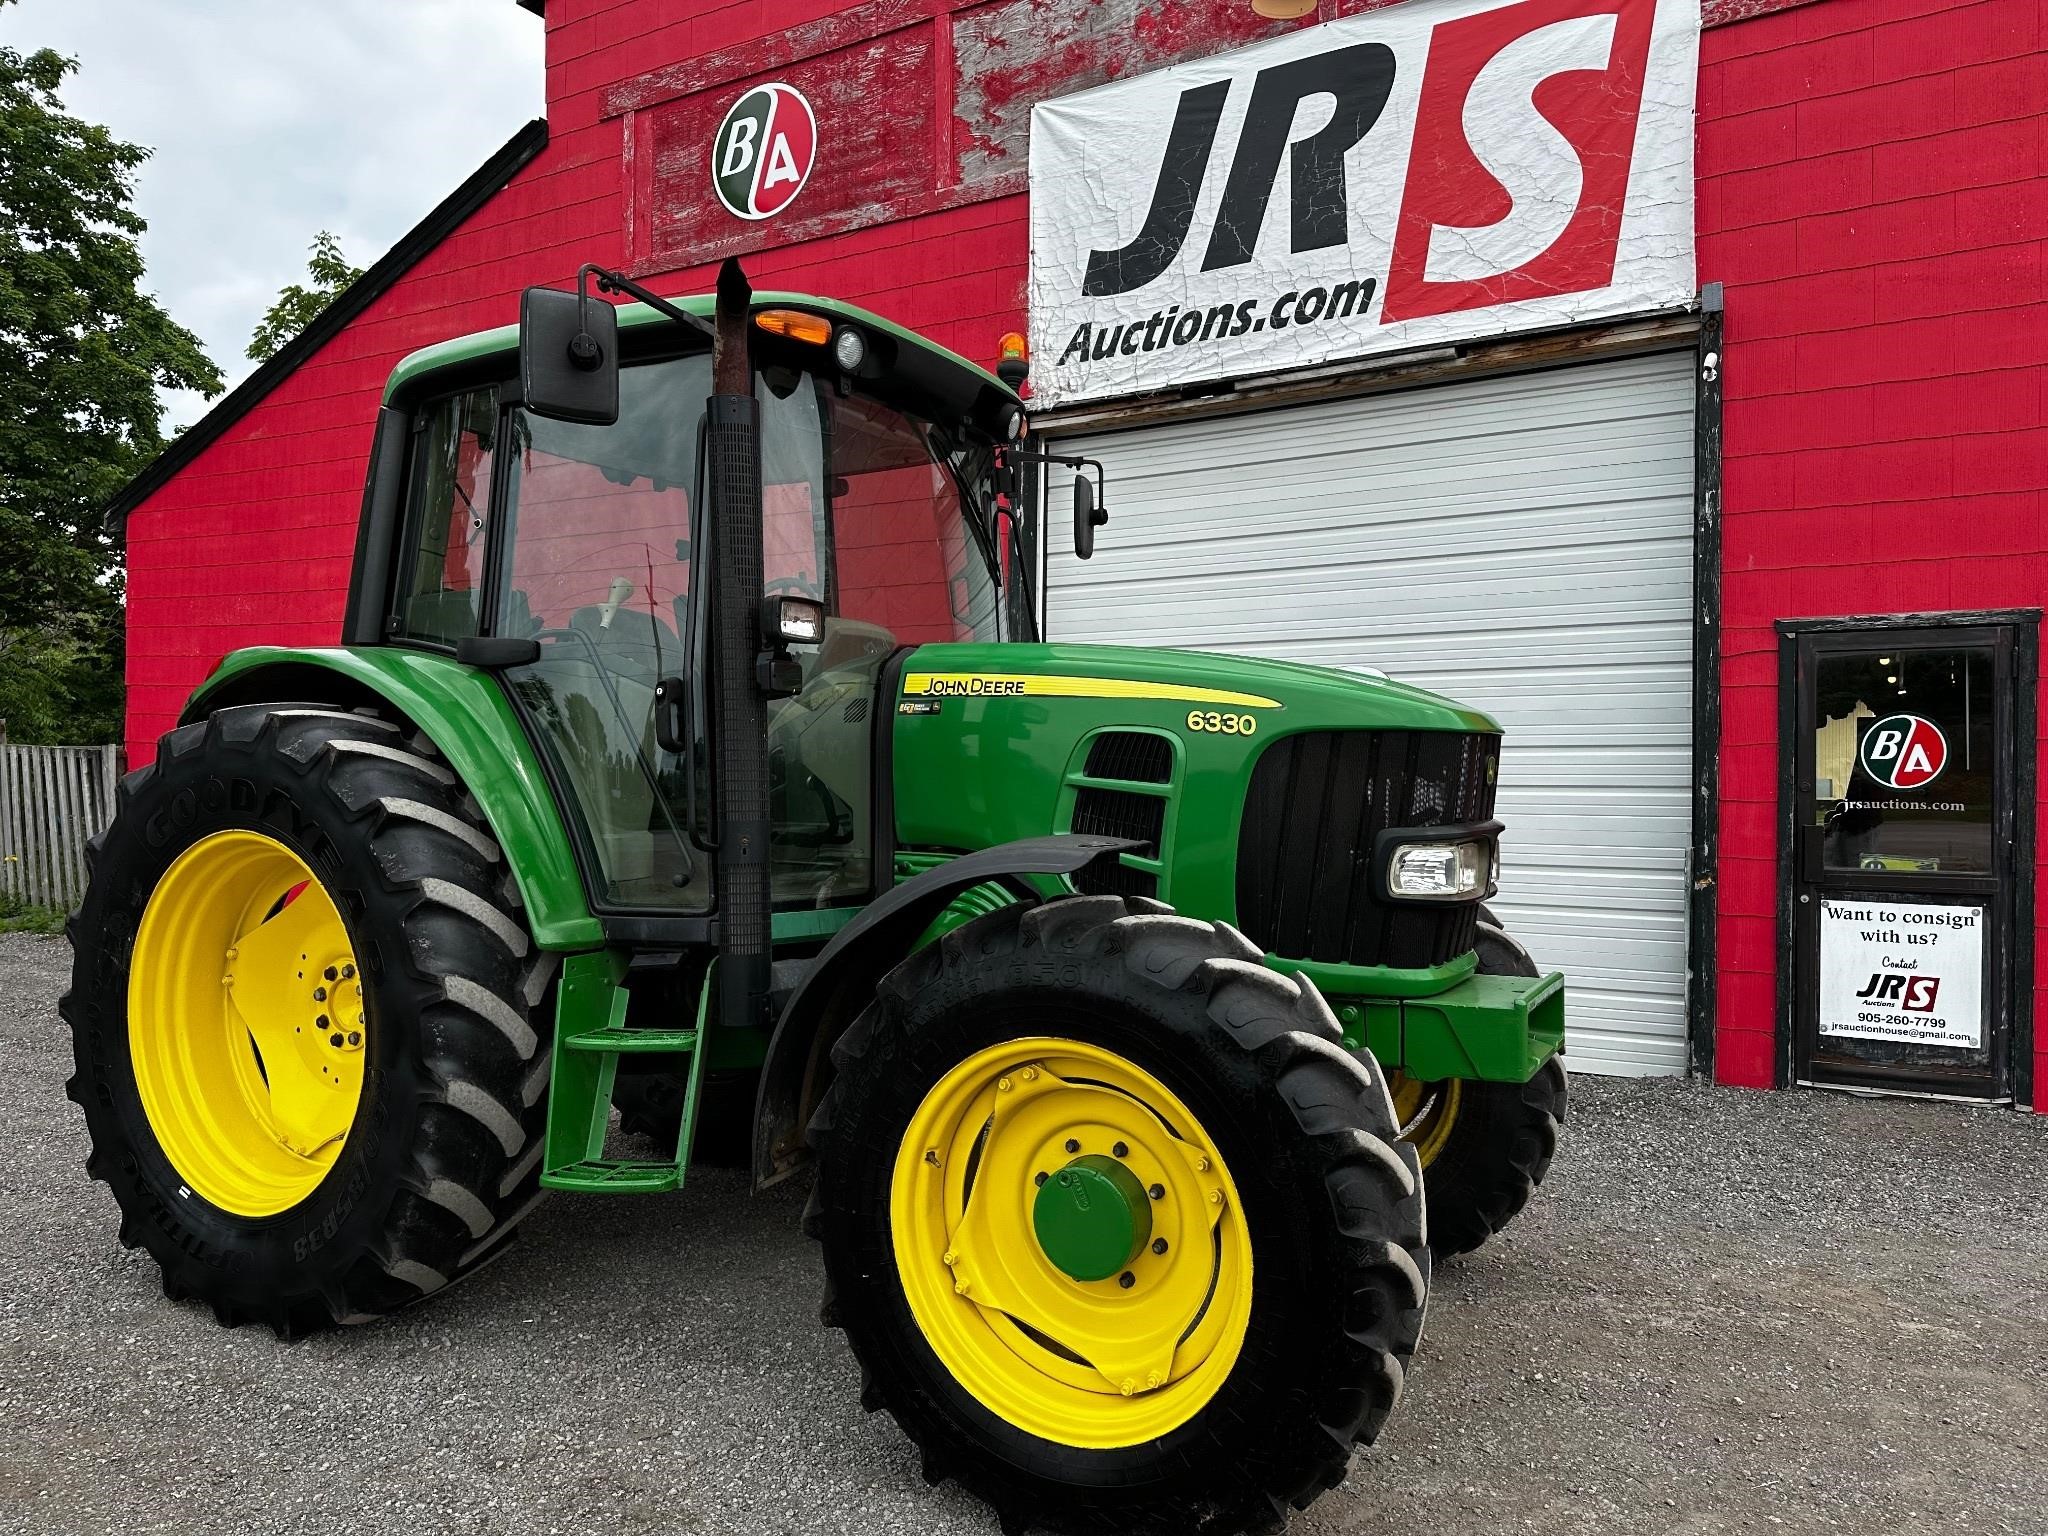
point(1436, 171)
point(1907, 972)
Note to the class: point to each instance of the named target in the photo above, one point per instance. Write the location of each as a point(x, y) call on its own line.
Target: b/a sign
point(1440, 170)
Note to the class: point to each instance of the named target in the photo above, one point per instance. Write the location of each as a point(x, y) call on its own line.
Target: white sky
point(275, 119)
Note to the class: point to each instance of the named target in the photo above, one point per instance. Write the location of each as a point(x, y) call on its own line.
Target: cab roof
point(971, 378)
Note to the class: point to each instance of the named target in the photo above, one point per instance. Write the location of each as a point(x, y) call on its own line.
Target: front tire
point(1214, 1290)
point(307, 1014)
point(1484, 1147)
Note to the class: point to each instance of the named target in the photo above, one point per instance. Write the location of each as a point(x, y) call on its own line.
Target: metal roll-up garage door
point(1522, 544)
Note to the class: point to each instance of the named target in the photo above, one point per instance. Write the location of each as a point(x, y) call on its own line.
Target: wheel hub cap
point(1092, 1218)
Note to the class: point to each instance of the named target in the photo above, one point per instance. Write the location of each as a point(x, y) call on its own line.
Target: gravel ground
point(1727, 1312)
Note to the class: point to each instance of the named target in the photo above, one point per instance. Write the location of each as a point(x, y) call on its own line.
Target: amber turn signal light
point(796, 325)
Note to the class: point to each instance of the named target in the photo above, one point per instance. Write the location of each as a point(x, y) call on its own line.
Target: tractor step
point(609, 1176)
point(634, 1041)
point(591, 1038)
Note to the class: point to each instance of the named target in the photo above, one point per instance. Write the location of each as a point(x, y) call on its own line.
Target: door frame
point(2015, 961)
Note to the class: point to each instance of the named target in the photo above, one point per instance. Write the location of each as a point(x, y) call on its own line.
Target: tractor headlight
point(1439, 871)
point(792, 620)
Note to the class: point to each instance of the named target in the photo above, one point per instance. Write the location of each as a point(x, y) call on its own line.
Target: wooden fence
point(51, 800)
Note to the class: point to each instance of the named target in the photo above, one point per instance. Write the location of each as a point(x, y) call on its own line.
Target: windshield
point(865, 509)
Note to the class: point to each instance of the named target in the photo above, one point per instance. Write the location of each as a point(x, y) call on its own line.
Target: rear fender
point(466, 715)
point(842, 980)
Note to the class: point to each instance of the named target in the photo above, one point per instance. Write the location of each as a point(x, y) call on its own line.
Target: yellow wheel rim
point(245, 1023)
point(1427, 1112)
point(1087, 1363)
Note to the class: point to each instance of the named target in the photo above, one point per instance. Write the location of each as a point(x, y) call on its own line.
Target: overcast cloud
point(275, 119)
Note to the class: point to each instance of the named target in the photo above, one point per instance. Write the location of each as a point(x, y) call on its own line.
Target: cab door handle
point(672, 715)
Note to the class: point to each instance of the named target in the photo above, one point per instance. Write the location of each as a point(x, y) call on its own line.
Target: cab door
point(1906, 888)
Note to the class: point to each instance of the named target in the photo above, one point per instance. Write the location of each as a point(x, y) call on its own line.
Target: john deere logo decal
point(1904, 751)
point(764, 151)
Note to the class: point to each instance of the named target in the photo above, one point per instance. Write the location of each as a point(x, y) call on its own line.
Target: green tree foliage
point(299, 303)
point(83, 353)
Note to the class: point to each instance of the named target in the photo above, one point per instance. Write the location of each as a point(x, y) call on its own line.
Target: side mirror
point(569, 357)
point(1087, 517)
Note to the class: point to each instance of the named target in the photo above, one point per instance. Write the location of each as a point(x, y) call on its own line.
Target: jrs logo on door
point(1439, 170)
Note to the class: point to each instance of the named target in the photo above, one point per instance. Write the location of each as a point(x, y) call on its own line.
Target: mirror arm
point(1038, 456)
point(609, 281)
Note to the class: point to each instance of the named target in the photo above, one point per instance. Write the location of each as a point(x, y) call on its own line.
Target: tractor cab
point(577, 556)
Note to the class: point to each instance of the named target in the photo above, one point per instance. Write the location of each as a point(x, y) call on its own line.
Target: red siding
point(1870, 195)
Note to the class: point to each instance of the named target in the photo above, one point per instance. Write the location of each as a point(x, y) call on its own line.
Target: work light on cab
point(792, 620)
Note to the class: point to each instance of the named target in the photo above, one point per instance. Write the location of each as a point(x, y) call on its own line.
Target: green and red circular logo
point(764, 151)
point(1904, 751)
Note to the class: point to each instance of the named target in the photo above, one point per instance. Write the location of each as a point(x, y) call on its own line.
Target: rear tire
point(441, 1158)
point(1246, 1061)
point(1501, 1142)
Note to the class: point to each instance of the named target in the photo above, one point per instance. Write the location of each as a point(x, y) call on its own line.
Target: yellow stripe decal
point(987, 685)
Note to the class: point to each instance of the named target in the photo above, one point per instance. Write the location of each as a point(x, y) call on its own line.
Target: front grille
point(1119, 813)
point(1317, 803)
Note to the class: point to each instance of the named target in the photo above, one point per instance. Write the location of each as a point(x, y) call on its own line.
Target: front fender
point(466, 715)
point(842, 980)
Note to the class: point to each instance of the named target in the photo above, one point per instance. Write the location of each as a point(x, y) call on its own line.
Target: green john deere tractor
point(689, 749)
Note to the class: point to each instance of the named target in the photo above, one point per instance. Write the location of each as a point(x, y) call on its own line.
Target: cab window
point(453, 459)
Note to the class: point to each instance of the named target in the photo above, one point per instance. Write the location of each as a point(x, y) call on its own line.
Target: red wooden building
point(1753, 578)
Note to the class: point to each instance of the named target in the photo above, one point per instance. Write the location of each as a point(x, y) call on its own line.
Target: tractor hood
point(992, 743)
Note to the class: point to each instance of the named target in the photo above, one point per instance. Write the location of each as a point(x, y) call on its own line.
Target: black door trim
point(1702, 884)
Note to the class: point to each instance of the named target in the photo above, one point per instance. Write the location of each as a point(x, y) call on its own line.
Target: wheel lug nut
point(1121, 1149)
point(1159, 1245)
point(330, 973)
point(321, 1021)
point(1003, 1085)
point(1073, 1145)
point(334, 1039)
point(1157, 1191)
point(319, 994)
point(355, 1037)
point(1127, 1279)
point(348, 972)
point(1040, 1178)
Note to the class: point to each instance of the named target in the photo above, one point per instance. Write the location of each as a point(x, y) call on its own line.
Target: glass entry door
point(1903, 859)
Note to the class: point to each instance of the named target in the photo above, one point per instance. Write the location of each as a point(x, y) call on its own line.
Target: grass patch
point(18, 916)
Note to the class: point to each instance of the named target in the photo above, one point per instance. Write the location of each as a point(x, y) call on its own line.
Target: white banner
point(1909, 972)
point(1436, 171)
